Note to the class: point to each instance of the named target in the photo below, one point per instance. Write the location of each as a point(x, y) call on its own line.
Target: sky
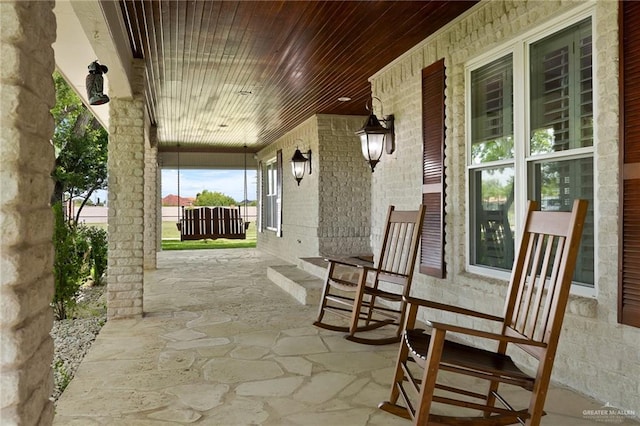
point(229, 182)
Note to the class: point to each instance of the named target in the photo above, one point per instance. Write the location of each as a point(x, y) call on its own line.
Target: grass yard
point(170, 231)
point(207, 244)
point(171, 240)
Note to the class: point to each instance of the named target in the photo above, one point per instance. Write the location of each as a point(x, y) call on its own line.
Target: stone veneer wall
point(158, 209)
point(151, 210)
point(126, 165)
point(345, 179)
point(597, 356)
point(318, 222)
point(27, 31)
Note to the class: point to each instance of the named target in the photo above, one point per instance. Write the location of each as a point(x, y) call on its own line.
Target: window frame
point(269, 196)
point(519, 48)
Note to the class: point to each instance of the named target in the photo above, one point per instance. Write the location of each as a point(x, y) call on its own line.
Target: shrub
point(70, 263)
point(97, 239)
point(62, 377)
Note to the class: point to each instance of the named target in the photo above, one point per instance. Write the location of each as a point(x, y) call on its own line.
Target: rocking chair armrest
point(484, 334)
point(451, 308)
point(351, 261)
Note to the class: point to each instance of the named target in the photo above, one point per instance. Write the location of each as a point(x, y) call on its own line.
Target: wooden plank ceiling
point(222, 74)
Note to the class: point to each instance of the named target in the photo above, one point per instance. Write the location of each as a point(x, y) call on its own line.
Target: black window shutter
point(433, 186)
point(629, 261)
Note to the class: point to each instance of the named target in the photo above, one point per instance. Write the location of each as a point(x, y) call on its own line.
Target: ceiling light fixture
point(376, 137)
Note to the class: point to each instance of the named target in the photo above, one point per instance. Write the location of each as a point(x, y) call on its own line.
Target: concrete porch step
point(314, 265)
point(302, 281)
point(301, 285)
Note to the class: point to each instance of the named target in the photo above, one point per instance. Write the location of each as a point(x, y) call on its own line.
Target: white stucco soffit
point(89, 30)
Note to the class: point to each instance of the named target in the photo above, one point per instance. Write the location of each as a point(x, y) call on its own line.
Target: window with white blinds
point(553, 164)
point(492, 168)
point(492, 111)
point(561, 91)
point(271, 195)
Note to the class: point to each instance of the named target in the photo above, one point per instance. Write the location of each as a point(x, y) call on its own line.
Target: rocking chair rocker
point(359, 300)
point(534, 310)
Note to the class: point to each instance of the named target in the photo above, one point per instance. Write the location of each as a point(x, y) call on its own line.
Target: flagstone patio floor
point(220, 344)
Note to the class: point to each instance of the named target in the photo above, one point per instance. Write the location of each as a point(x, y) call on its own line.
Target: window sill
point(585, 307)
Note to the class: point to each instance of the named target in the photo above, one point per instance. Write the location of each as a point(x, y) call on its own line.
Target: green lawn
point(206, 244)
point(171, 240)
point(170, 231)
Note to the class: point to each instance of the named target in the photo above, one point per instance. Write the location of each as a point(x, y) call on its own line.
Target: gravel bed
point(72, 338)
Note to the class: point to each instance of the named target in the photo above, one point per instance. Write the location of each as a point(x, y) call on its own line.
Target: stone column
point(125, 274)
point(150, 199)
point(158, 209)
point(27, 31)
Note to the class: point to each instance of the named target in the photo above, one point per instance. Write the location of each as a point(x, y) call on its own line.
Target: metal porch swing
point(200, 223)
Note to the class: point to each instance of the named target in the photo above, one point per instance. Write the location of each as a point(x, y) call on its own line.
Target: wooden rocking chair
point(534, 311)
point(372, 297)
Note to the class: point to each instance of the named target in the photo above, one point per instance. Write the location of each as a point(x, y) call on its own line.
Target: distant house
point(174, 200)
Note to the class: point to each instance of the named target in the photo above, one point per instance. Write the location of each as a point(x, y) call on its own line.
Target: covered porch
point(222, 344)
point(172, 328)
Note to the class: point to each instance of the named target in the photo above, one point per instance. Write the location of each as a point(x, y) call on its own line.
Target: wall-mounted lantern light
point(376, 137)
point(299, 164)
point(95, 84)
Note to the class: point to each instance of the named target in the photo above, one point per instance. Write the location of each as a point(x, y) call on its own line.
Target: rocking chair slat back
point(370, 296)
point(398, 256)
point(539, 282)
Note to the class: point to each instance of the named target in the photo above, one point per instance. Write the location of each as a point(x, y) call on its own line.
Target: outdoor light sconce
point(95, 83)
point(376, 137)
point(299, 164)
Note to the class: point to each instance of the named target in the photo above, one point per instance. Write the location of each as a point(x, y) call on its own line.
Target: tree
point(492, 150)
point(207, 198)
point(80, 145)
